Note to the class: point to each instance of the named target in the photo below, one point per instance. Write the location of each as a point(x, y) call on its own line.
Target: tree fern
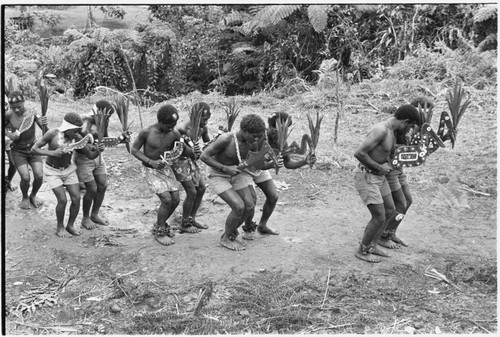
point(271, 15)
point(485, 13)
point(318, 16)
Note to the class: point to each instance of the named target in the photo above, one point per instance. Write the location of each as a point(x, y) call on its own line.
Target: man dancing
point(398, 181)
point(227, 177)
point(20, 128)
point(187, 170)
point(91, 166)
point(266, 183)
point(160, 143)
point(370, 178)
point(60, 171)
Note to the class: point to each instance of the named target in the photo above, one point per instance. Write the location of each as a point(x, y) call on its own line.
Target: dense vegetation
point(243, 49)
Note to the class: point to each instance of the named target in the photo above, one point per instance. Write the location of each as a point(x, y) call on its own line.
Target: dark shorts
point(22, 155)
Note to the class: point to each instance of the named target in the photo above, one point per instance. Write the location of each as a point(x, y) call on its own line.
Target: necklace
point(237, 148)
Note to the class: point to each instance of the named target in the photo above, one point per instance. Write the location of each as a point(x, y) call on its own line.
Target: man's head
point(71, 124)
point(409, 114)
point(16, 101)
point(271, 121)
point(253, 126)
point(205, 113)
point(103, 106)
point(167, 117)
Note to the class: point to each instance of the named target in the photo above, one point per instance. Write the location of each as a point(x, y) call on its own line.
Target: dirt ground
point(319, 215)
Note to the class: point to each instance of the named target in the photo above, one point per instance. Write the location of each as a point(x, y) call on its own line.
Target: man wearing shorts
point(91, 167)
point(370, 178)
point(60, 171)
point(398, 180)
point(229, 182)
point(187, 170)
point(20, 129)
point(160, 144)
point(266, 183)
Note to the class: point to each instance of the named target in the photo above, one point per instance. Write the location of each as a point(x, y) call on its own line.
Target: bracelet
point(221, 169)
point(149, 162)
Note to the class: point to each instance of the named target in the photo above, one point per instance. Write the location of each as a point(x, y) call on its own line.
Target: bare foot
point(25, 203)
point(380, 251)
point(99, 220)
point(61, 232)
point(232, 245)
point(248, 235)
point(238, 239)
point(388, 243)
point(266, 230)
point(88, 224)
point(366, 257)
point(72, 230)
point(164, 240)
point(398, 240)
point(186, 227)
point(35, 201)
point(197, 224)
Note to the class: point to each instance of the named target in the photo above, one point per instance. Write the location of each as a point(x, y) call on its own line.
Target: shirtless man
point(223, 157)
point(370, 178)
point(266, 183)
point(398, 183)
point(187, 170)
point(60, 171)
point(91, 167)
point(22, 143)
point(155, 140)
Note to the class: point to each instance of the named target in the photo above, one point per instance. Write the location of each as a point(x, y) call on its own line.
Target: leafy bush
point(474, 68)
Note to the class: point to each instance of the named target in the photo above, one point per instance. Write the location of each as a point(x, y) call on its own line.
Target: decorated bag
point(88, 139)
point(255, 161)
point(26, 124)
point(415, 152)
point(170, 156)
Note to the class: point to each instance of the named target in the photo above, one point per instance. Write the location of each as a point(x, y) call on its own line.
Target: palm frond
point(457, 109)
point(283, 131)
point(195, 119)
point(121, 105)
point(232, 112)
point(44, 98)
point(314, 129)
point(10, 86)
point(100, 122)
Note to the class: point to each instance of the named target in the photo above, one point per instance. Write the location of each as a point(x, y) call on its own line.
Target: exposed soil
point(320, 218)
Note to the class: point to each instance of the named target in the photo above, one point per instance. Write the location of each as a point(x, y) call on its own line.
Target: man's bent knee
point(273, 199)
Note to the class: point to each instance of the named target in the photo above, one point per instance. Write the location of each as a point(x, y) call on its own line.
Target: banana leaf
point(457, 109)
